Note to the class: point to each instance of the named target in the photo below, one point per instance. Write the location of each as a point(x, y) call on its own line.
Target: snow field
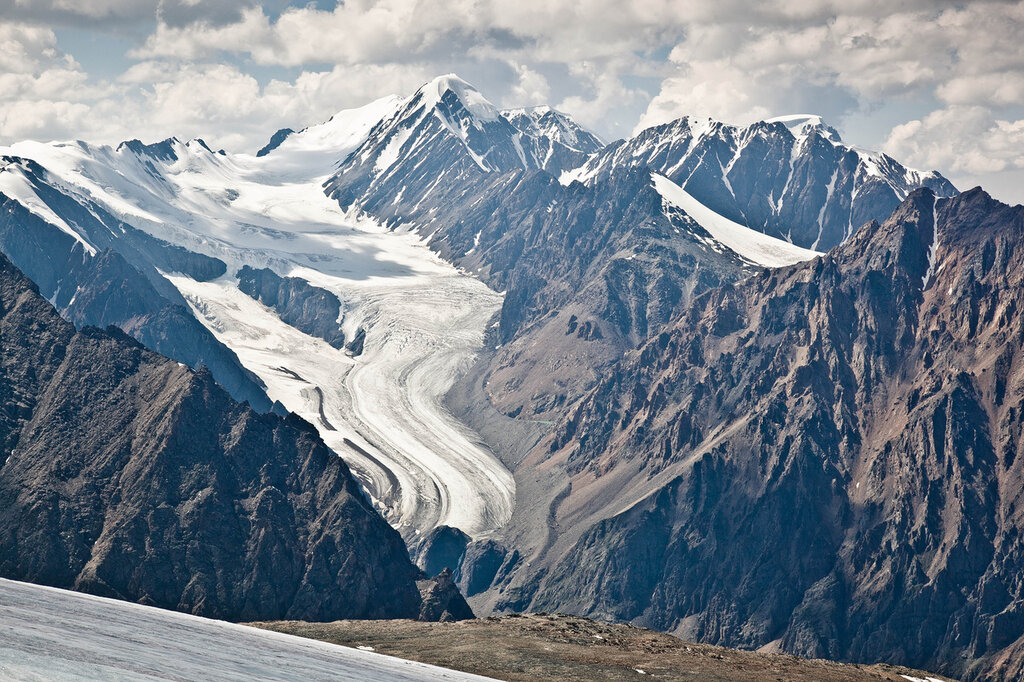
point(752, 245)
point(50, 634)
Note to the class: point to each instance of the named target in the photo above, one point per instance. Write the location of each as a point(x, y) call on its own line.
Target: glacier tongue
point(424, 319)
point(383, 411)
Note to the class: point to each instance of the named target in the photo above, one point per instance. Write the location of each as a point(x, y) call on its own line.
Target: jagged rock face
point(441, 600)
point(441, 549)
point(474, 565)
point(481, 564)
point(127, 474)
point(308, 308)
point(795, 182)
point(120, 284)
point(831, 452)
point(587, 271)
point(444, 140)
point(558, 142)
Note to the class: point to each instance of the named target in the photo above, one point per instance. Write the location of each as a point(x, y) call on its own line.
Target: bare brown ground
point(556, 647)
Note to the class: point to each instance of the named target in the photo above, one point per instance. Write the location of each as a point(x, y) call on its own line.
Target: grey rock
point(275, 141)
point(441, 600)
point(441, 549)
point(309, 309)
point(480, 565)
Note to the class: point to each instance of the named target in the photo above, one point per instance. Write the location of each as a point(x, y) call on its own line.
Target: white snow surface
point(797, 121)
point(474, 102)
point(15, 184)
point(50, 634)
point(752, 245)
point(323, 146)
point(383, 411)
point(934, 245)
point(801, 126)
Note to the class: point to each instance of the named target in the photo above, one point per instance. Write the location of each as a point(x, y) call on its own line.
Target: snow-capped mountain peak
point(445, 133)
point(790, 177)
point(441, 91)
point(316, 150)
point(802, 125)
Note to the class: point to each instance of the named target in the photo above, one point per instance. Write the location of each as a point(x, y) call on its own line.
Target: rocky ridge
point(829, 457)
point(791, 177)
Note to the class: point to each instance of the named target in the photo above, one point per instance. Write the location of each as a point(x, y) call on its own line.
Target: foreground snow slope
point(50, 634)
point(424, 319)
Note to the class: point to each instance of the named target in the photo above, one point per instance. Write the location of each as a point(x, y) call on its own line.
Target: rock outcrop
point(441, 600)
point(309, 309)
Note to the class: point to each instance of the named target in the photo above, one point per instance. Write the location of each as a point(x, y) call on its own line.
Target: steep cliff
point(822, 458)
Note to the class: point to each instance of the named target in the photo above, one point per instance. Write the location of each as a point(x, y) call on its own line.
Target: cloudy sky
point(936, 84)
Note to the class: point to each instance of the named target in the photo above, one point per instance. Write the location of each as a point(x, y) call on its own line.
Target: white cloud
point(44, 94)
point(121, 14)
point(26, 49)
point(42, 119)
point(203, 68)
point(203, 39)
point(531, 88)
point(961, 139)
point(596, 43)
point(361, 31)
point(606, 94)
point(996, 89)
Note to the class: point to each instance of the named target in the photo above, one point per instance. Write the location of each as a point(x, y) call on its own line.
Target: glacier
point(424, 319)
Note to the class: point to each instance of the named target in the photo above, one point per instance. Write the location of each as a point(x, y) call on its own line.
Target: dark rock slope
point(129, 475)
point(588, 272)
point(823, 458)
point(310, 309)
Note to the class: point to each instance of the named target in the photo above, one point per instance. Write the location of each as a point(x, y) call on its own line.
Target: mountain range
point(751, 385)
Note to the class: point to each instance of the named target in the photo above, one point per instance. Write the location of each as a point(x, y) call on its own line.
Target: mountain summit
point(448, 135)
point(790, 177)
